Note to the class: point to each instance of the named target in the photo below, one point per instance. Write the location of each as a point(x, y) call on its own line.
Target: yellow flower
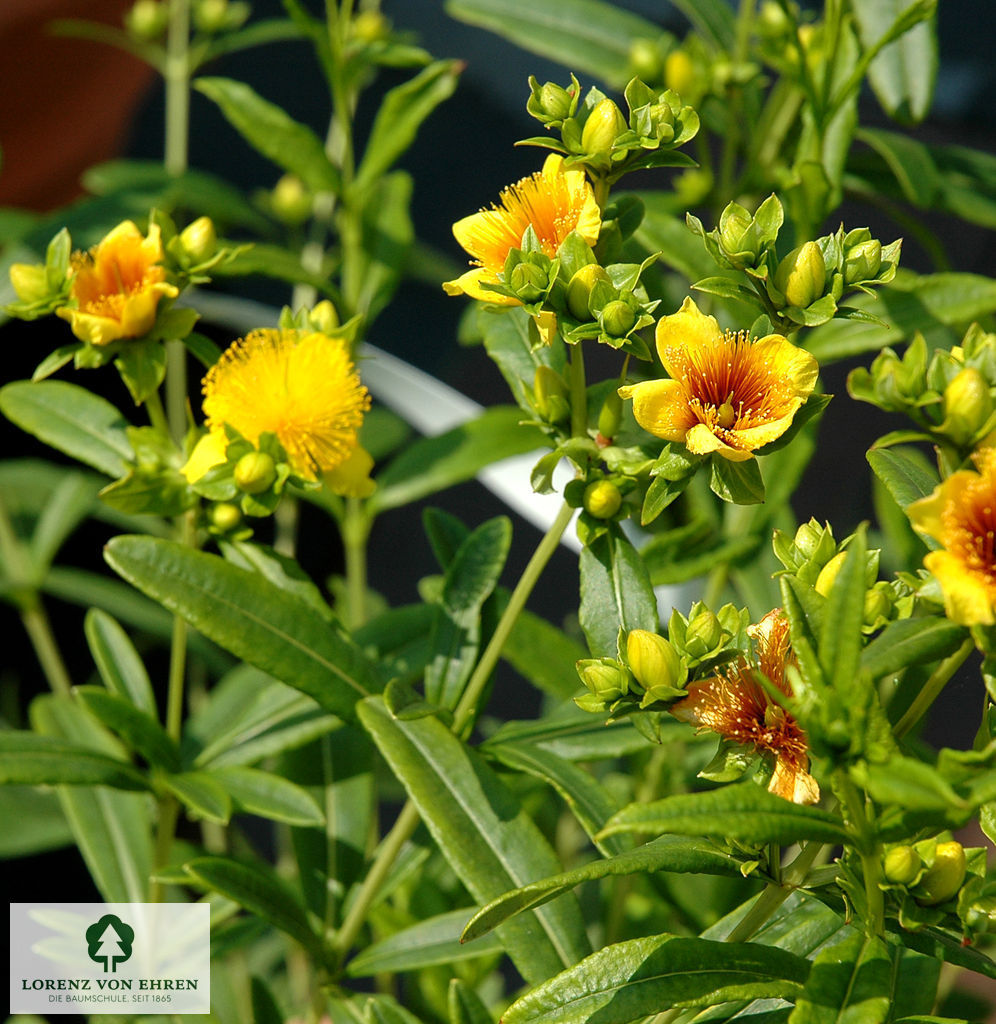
point(301, 387)
point(736, 706)
point(554, 202)
point(117, 285)
point(727, 393)
point(961, 515)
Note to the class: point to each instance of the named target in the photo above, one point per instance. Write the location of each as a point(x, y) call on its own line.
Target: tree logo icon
point(109, 941)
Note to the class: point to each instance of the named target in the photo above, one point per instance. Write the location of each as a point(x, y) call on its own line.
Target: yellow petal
point(789, 361)
point(700, 440)
point(351, 478)
point(966, 597)
point(925, 513)
point(660, 408)
point(471, 283)
point(97, 330)
point(546, 324)
point(686, 328)
point(208, 452)
point(792, 782)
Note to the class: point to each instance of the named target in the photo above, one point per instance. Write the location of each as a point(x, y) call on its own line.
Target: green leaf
point(713, 18)
point(400, 116)
point(744, 812)
point(850, 981)
point(138, 728)
point(904, 72)
point(544, 655)
point(906, 474)
point(280, 570)
point(616, 593)
point(41, 825)
point(631, 980)
point(430, 943)
point(265, 1009)
point(258, 889)
point(909, 161)
point(70, 419)
point(201, 794)
point(911, 642)
point(249, 616)
point(272, 261)
point(465, 1005)
point(668, 853)
point(271, 131)
point(490, 842)
point(664, 230)
point(435, 463)
point(585, 35)
point(737, 482)
point(840, 638)
point(29, 759)
point(119, 664)
point(69, 505)
point(508, 343)
point(910, 784)
point(268, 795)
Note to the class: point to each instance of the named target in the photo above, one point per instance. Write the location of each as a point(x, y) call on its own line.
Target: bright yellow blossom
point(117, 285)
point(728, 393)
point(554, 202)
point(961, 515)
point(303, 388)
point(736, 706)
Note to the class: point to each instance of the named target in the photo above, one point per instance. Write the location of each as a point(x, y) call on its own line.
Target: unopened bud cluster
point(949, 394)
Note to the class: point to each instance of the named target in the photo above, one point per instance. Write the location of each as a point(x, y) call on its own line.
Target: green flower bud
point(528, 281)
point(290, 200)
point(655, 663)
point(147, 20)
point(30, 281)
point(862, 262)
point(610, 415)
point(878, 604)
point(255, 473)
point(902, 864)
point(828, 574)
point(645, 59)
point(802, 275)
point(944, 877)
point(549, 102)
point(981, 915)
point(211, 15)
point(602, 499)
point(199, 240)
point(704, 632)
point(772, 20)
point(603, 126)
point(811, 540)
point(968, 405)
point(617, 318)
point(605, 679)
point(370, 27)
point(323, 317)
point(579, 289)
point(734, 223)
point(551, 395)
point(225, 516)
point(679, 72)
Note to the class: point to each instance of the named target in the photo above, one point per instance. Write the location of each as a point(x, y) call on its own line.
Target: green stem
point(931, 690)
point(169, 812)
point(177, 75)
point(467, 708)
point(157, 414)
point(19, 571)
point(178, 652)
point(578, 389)
point(731, 144)
point(869, 850)
point(463, 716)
point(355, 533)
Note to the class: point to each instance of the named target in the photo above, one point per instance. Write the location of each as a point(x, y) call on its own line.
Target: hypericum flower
point(301, 387)
point(553, 202)
point(737, 707)
point(961, 514)
point(728, 393)
point(116, 286)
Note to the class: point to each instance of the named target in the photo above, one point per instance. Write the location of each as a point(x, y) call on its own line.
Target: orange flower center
point(969, 528)
point(549, 205)
point(104, 278)
point(728, 386)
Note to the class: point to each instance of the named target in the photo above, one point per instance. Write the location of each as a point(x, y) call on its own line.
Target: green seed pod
point(225, 516)
point(610, 415)
point(944, 877)
point(902, 864)
point(255, 473)
point(602, 499)
point(802, 275)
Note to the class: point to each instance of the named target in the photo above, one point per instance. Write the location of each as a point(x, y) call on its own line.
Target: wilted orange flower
point(117, 285)
point(728, 393)
point(961, 514)
point(735, 705)
point(301, 387)
point(554, 202)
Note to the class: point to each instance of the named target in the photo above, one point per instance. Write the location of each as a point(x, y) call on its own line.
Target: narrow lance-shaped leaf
point(251, 617)
point(119, 664)
point(268, 795)
point(139, 729)
point(479, 826)
point(840, 633)
point(631, 980)
point(30, 759)
point(744, 811)
point(269, 129)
